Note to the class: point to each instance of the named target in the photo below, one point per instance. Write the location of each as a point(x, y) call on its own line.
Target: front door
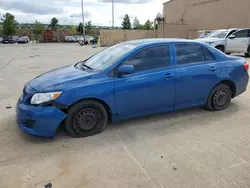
point(151, 88)
point(240, 43)
point(197, 71)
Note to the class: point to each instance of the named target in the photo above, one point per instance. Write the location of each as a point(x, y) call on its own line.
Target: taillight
point(246, 66)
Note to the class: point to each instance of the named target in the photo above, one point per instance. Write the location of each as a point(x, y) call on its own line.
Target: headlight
point(39, 98)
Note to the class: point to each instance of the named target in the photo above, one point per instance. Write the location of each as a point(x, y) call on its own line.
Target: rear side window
point(192, 53)
point(208, 55)
point(150, 58)
point(189, 53)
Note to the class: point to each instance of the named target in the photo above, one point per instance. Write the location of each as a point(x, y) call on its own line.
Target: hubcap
point(220, 98)
point(86, 119)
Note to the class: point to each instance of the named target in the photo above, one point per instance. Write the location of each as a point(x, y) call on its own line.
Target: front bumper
point(38, 120)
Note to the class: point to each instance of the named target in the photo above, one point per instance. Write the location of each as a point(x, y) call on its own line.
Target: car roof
point(156, 41)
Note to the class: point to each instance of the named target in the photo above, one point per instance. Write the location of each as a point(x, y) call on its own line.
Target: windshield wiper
point(84, 65)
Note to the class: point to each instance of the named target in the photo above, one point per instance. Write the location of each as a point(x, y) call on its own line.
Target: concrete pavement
point(184, 149)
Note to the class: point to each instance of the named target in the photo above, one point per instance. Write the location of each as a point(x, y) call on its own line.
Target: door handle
point(168, 75)
point(213, 68)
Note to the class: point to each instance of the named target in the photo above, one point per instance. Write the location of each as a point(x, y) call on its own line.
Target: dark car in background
point(94, 40)
point(23, 40)
point(8, 40)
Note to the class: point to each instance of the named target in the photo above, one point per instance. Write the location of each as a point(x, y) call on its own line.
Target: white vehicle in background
point(204, 33)
point(218, 38)
point(229, 41)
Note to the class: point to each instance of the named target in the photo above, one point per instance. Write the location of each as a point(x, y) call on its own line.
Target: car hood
point(209, 39)
point(59, 79)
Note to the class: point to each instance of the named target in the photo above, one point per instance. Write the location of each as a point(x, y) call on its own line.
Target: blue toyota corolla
point(130, 79)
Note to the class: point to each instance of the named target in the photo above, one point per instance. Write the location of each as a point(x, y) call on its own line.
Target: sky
point(69, 11)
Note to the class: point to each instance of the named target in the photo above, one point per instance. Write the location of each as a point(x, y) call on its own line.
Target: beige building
point(189, 16)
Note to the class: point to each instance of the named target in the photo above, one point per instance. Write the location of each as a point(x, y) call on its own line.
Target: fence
point(167, 30)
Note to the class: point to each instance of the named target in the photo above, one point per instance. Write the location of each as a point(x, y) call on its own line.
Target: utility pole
point(113, 21)
point(83, 27)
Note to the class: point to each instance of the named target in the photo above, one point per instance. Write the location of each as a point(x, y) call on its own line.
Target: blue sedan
point(130, 79)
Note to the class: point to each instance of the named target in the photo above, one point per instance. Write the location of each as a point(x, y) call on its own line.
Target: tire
point(219, 98)
point(221, 48)
point(248, 52)
point(228, 53)
point(86, 118)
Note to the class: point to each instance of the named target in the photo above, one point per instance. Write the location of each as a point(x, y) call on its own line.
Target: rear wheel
point(86, 118)
point(221, 48)
point(219, 98)
point(248, 52)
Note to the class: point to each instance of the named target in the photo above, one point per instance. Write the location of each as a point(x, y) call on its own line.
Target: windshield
point(217, 34)
point(108, 57)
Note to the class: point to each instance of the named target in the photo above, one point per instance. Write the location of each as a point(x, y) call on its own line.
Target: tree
point(158, 20)
point(79, 28)
point(9, 24)
point(136, 23)
point(72, 30)
point(38, 30)
point(148, 25)
point(88, 26)
point(54, 23)
point(126, 24)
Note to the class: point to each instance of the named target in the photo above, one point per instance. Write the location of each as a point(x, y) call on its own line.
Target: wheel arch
point(220, 45)
point(102, 102)
point(229, 83)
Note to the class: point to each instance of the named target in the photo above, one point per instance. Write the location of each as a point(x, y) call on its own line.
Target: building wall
point(208, 14)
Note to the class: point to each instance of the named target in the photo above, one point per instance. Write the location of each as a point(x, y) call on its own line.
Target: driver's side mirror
point(231, 36)
point(125, 69)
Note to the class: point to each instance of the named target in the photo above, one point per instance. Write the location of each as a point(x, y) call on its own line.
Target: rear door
point(197, 72)
point(240, 43)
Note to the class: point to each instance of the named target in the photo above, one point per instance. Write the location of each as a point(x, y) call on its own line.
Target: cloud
point(98, 11)
point(79, 15)
point(28, 7)
point(127, 1)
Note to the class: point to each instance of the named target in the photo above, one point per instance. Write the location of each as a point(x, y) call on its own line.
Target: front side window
point(150, 58)
point(192, 53)
point(241, 34)
point(231, 32)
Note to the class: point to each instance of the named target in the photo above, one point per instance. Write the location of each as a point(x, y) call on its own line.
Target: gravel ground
point(183, 149)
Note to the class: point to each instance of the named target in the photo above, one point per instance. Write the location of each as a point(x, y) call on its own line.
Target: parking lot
point(183, 149)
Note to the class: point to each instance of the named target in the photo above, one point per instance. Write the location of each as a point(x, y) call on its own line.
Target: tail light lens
point(246, 66)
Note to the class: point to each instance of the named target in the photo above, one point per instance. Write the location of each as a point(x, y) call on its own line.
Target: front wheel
point(86, 118)
point(219, 98)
